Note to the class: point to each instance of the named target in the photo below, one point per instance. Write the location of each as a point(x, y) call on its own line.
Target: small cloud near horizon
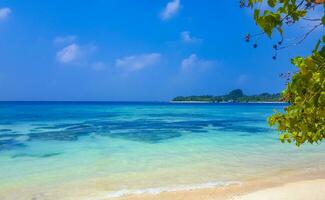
point(68, 53)
point(187, 38)
point(75, 53)
point(194, 62)
point(137, 62)
point(4, 13)
point(170, 10)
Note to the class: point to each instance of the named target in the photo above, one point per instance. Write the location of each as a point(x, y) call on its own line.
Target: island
point(234, 96)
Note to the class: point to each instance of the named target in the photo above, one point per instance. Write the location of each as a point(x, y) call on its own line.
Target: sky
point(144, 50)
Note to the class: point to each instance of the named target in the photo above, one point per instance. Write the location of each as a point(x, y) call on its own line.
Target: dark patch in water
point(244, 135)
point(58, 135)
point(5, 130)
point(49, 155)
point(80, 127)
point(142, 130)
point(153, 136)
point(5, 123)
point(10, 134)
point(10, 144)
point(56, 126)
point(35, 155)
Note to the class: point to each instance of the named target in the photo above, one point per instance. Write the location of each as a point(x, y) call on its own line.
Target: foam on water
point(155, 191)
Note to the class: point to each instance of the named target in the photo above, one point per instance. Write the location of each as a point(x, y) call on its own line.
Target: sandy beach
point(312, 189)
point(300, 190)
point(288, 185)
point(274, 188)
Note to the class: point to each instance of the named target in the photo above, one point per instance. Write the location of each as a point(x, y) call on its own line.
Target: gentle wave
point(155, 191)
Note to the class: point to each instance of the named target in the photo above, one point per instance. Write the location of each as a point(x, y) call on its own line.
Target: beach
point(255, 190)
point(283, 186)
point(302, 190)
point(297, 187)
point(292, 191)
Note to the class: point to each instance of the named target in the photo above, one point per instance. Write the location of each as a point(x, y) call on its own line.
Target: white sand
point(303, 190)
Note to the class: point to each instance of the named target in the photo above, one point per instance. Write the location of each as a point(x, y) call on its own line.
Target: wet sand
point(281, 187)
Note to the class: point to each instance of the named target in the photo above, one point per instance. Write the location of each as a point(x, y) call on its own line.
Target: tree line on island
point(235, 96)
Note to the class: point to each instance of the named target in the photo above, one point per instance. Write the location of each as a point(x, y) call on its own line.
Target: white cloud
point(194, 63)
point(170, 10)
point(4, 13)
point(189, 62)
point(75, 54)
point(187, 38)
point(137, 62)
point(65, 39)
point(68, 54)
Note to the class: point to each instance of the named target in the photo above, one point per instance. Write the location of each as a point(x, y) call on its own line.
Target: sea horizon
point(134, 101)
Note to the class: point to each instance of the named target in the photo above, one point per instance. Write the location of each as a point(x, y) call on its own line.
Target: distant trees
point(304, 119)
point(207, 98)
point(236, 94)
point(233, 96)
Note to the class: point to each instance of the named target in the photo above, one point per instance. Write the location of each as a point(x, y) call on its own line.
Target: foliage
point(280, 12)
point(233, 96)
point(236, 93)
point(304, 119)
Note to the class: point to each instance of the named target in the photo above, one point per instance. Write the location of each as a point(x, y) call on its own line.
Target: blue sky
point(129, 50)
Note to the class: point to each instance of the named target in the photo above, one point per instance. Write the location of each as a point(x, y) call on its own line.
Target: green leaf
point(303, 120)
point(316, 46)
point(271, 3)
point(256, 14)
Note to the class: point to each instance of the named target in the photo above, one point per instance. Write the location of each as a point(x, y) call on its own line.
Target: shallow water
point(132, 147)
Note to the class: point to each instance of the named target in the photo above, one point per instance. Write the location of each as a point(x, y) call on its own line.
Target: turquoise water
point(64, 149)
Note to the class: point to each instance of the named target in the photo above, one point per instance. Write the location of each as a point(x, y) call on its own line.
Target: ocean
point(59, 150)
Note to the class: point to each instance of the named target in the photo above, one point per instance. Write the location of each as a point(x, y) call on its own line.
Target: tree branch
point(310, 19)
point(302, 39)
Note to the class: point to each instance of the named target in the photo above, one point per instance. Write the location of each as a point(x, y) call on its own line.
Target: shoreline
point(211, 102)
point(248, 191)
point(297, 190)
point(268, 188)
point(282, 183)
